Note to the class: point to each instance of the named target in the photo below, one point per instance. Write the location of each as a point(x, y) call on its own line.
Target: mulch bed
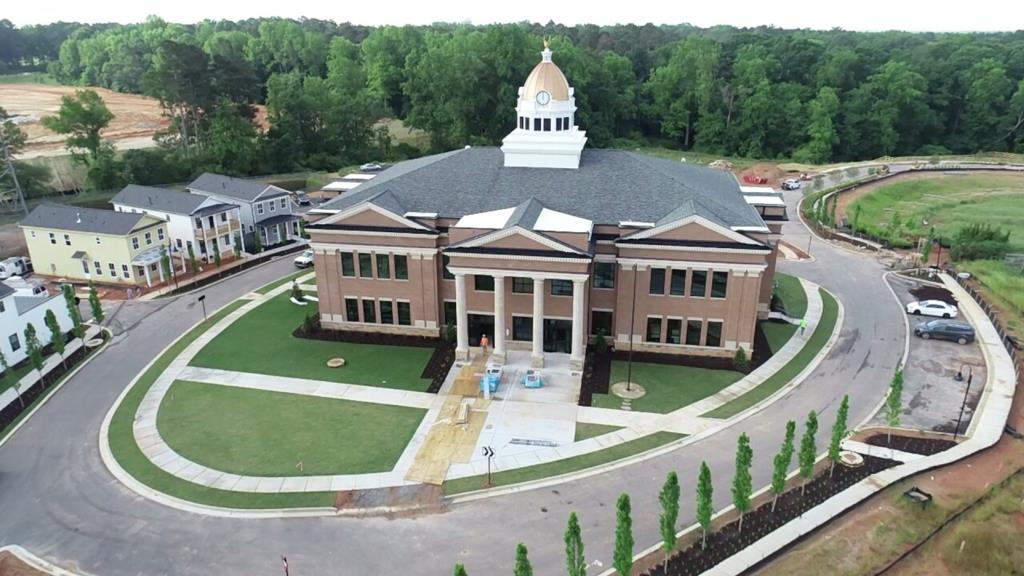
point(923, 446)
point(727, 541)
point(925, 292)
point(14, 409)
point(597, 366)
point(437, 366)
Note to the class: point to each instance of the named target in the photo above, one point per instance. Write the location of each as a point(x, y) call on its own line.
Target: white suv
point(304, 260)
point(791, 184)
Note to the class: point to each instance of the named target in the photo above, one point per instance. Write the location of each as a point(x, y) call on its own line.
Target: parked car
point(953, 330)
point(791, 184)
point(301, 199)
point(936, 308)
point(15, 266)
point(371, 167)
point(304, 260)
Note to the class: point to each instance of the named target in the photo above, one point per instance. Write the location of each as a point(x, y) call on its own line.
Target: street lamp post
point(959, 378)
point(202, 300)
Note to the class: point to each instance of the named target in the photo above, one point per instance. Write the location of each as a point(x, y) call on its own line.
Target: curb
point(38, 563)
point(10, 433)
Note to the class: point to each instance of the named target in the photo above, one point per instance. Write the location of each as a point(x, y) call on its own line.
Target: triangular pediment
point(692, 228)
point(517, 239)
point(371, 215)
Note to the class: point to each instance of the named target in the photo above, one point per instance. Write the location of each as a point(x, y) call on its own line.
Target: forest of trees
point(814, 96)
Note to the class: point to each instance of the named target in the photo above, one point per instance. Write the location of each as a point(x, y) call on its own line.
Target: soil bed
point(925, 292)
point(11, 565)
point(923, 446)
point(727, 541)
point(437, 367)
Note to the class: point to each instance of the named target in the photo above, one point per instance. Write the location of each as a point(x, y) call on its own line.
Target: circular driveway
point(59, 501)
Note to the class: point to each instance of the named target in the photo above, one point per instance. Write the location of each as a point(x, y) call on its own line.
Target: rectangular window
point(67, 240)
point(657, 281)
point(677, 285)
point(370, 311)
point(445, 260)
point(522, 328)
point(210, 220)
point(387, 316)
point(404, 314)
point(693, 332)
point(522, 285)
point(401, 267)
point(654, 329)
point(698, 283)
point(714, 337)
point(483, 283)
point(450, 314)
point(383, 266)
point(604, 274)
point(98, 268)
point(674, 331)
point(2, 307)
point(223, 216)
point(536, 124)
point(561, 287)
point(365, 265)
point(259, 208)
point(601, 322)
point(85, 266)
point(159, 234)
point(199, 223)
point(284, 203)
point(15, 343)
point(149, 238)
point(98, 240)
point(547, 124)
point(272, 206)
point(351, 310)
point(53, 238)
point(112, 269)
point(719, 284)
point(125, 272)
point(348, 264)
point(135, 242)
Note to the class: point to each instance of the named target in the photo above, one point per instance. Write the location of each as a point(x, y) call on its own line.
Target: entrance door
point(557, 334)
point(480, 324)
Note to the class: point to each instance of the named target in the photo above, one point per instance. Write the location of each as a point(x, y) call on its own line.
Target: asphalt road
point(58, 500)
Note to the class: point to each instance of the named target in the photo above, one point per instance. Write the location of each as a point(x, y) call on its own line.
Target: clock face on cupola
point(546, 135)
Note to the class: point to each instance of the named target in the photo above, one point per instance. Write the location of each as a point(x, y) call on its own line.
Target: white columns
point(499, 320)
point(537, 357)
point(145, 269)
point(462, 318)
point(576, 357)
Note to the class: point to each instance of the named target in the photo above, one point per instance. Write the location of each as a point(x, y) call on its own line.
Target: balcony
point(222, 228)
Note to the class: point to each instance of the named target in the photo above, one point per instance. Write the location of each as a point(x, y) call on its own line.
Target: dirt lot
point(136, 118)
point(10, 565)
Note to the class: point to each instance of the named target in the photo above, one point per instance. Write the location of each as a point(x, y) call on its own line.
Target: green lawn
point(948, 204)
point(777, 333)
point(262, 342)
point(27, 78)
point(1004, 284)
point(135, 463)
point(15, 374)
point(584, 430)
point(286, 280)
point(260, 433)
point(791, 292)
point(564, 466)
point(668, 387)
point(815, 343)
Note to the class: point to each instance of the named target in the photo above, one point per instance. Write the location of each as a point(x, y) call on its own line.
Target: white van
point(23, 287)
point(15, 266)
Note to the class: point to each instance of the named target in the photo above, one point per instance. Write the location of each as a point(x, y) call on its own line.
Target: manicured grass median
point(261, 341)
point(135, 463)
point(777, 333)
point(668, 387)
point(584, 430)
point(261, 433)
point(565, 466)
point(815, 343)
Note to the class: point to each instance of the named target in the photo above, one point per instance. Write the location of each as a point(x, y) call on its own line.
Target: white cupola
point(545, 135)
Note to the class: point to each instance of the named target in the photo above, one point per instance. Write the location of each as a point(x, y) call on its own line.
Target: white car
point(304, 260)
point(936, 308)
point(371, 167)
point(791, 184)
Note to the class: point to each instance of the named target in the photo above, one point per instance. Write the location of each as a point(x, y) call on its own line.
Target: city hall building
point(541, 244)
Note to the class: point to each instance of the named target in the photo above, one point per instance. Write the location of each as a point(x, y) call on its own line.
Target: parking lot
point(932, 396)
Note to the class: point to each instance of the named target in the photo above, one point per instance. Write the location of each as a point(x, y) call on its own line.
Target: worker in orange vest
point(484, 342)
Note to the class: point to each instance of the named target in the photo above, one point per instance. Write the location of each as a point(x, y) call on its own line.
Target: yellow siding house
point(89, 244)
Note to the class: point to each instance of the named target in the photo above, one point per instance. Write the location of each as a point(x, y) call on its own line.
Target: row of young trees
point(741, 489)
point(764, 92)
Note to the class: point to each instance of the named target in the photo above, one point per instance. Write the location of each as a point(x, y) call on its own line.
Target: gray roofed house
point(82, 219)
point(5, 290)
point(610, 186)
point(161, 199)
point(239, 188)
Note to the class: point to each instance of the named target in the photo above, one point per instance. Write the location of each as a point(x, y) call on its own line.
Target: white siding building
point(17, 310)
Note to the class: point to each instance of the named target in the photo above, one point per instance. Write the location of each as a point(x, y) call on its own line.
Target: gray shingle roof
point(609, 187)
point(240, 188)
point(80, 219)
point(162, 199)
point(5, 290)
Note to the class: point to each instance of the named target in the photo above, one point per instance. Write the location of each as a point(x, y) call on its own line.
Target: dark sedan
point(952, 330)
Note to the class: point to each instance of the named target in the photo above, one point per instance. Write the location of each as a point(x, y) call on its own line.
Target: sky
point(871, 15)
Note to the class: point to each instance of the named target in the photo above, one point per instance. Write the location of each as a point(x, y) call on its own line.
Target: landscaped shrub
point(740, 360)
point(980, 242)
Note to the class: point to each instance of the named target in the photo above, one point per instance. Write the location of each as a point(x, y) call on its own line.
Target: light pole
point(202, 300)
point(959, 378)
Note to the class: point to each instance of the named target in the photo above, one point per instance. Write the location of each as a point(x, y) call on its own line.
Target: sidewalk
point(51, 362)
